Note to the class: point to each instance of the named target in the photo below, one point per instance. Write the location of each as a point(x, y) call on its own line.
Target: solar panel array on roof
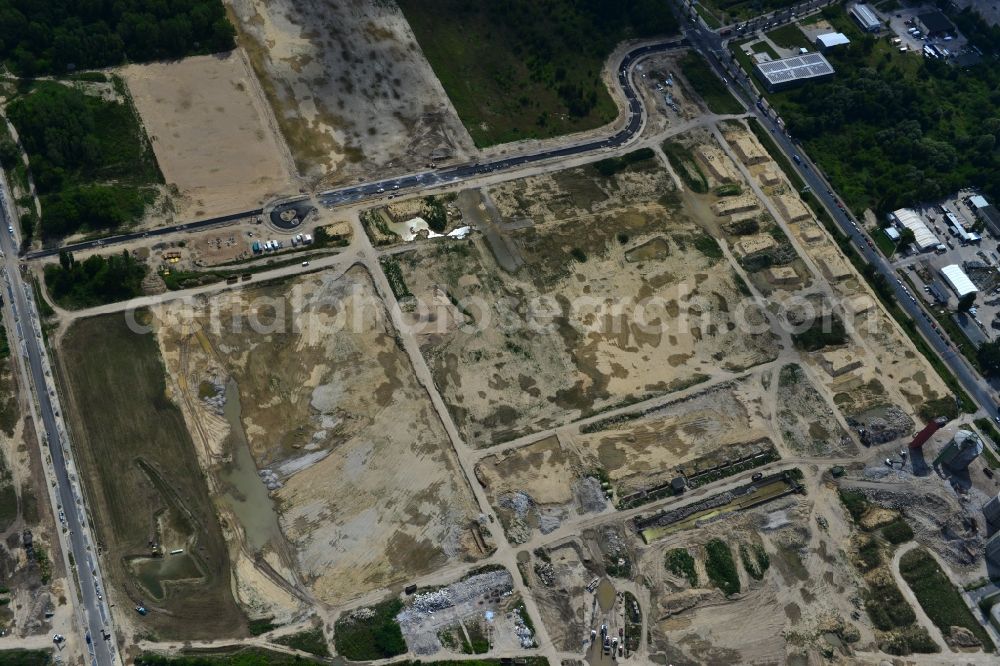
point(806, 66)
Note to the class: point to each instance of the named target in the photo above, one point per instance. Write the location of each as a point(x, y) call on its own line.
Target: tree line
point(95, 280)
point(57, 36)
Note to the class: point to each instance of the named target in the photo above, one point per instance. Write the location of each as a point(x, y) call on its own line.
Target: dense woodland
point(95, 280)
point(57, 36)
point(89, 157)
point(895, 129)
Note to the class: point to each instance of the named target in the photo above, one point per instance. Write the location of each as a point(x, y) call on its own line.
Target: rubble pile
point(545, 573)
point(882, 425)
point(524, 633)
point(493, 584)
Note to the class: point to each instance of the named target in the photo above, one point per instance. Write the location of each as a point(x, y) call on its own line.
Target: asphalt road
point(426, 179)
point(152, 233)
point(449, 175)
point(713, 47)
point(24, 317)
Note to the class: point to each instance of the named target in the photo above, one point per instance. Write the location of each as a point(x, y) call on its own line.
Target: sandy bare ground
point(371, 493)
point(639, 266)
point(350, 88)
point(644, 452)
point(212, 134)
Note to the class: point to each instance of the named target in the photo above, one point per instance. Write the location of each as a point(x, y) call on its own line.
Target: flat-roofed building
point(788, 72)
point(935, 24)
point(865, 17)
point(831, 39)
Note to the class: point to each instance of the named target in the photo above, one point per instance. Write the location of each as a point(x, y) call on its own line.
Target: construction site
point(641, 409)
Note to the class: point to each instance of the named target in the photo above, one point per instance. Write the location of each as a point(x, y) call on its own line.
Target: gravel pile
point(590, 495)
point(519, 502)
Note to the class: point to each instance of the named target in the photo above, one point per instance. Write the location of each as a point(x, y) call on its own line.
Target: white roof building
point(978, 201)
point(866, 18)
point(958, 280)
point(909, 219)
point(831, 39)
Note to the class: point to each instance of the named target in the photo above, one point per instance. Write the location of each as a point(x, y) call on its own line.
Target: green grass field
point(139, 464)
point(789, 36)
point(520, 69)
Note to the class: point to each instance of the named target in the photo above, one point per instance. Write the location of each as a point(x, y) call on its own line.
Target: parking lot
point(902, 19)
point(980, 261)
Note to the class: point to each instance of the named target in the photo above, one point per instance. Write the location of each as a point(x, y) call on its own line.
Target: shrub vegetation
point(721, 568)
point(90, 158)
point(378, 637)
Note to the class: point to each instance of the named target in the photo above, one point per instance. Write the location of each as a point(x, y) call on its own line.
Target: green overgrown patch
point(680, 563)
point(261, 626)
point(855, 502)
point(96, 280)
point(708, 246)
point(885, 604)
point(521, 69)
point(755, 560)
point(91, 161)
point(58, 36)
point(869, 553)
point(897, 532)
point(721, 568)
point(612, 165)
point(684, 164)
point(938, 597)
point(707, 85)
point(311, 640)
point(25, 657)
point(823, 331)
point(394, 274)
point(376, 637)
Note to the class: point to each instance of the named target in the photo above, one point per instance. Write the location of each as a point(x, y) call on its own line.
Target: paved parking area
point(980, 261)
point(902, 19)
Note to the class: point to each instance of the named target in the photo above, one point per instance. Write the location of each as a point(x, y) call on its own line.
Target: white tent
point(909, 219)
point(831, 39)
point(958, 280)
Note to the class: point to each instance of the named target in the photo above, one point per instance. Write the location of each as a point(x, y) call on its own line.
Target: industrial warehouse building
point(907, 218)
point(958, 280)
point(866, 18)
point(829, 40)
point(986, 212)
point(787, 72)
point(935, 24)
